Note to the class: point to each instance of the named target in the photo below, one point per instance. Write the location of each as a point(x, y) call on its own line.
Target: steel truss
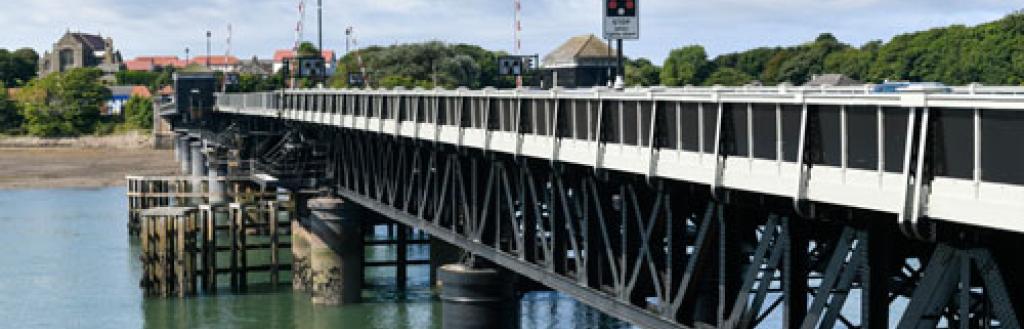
point(665, 254)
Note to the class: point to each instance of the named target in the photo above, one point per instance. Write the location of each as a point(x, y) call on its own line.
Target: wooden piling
point(234, 213)
point(271, 212)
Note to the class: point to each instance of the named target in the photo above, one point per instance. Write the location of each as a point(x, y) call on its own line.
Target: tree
point(641, 72)
point(728, 76)
point(685, 66)
point(18, 67)
point(308, 49)
point(248, 82)
point(809, 59)
point(64, 104)
point(138, 113)
point(421, 64)
point(990, 53)
point(460, 71)
point(10, 118)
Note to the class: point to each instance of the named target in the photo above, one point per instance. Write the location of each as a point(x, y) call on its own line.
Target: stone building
point(583, 61)
point(76, 50)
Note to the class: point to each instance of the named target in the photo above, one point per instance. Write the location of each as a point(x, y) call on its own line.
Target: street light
point(208, 36)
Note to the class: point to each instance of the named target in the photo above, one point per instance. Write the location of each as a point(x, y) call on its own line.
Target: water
point(68, 263)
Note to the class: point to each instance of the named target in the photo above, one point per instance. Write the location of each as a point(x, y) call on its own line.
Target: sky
point(167, 27)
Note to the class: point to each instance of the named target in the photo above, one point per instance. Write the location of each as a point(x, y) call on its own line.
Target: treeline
point(991, 53)
point(68, 104)
point(425, 65)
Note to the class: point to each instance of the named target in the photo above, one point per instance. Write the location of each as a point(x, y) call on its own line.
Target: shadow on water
point(384, 304)
point(71, 266)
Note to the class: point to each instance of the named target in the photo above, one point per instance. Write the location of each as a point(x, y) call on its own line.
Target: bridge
point(673, 207)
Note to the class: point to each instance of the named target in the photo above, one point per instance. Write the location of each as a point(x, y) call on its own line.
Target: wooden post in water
point(243, 253)
point(271, 213)
point(209, 248)
point(233, 215)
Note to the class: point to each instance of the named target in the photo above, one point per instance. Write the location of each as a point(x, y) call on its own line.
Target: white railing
point(840, 145)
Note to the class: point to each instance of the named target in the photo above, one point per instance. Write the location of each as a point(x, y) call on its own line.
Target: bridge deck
point(843, 146)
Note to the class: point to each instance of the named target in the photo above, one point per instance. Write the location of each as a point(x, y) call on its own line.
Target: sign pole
point(620, 76)
point(621, 22)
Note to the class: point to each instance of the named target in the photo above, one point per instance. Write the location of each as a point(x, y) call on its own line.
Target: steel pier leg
point(794, 274)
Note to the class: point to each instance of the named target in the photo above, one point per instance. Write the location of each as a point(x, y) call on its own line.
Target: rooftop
point(577, 48)
point(282, 54)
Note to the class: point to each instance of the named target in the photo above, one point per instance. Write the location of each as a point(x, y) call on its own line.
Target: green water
point(67, 263)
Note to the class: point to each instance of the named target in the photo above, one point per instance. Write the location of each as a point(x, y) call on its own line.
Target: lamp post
point(348, 40)
point(208, 36)
point(187, 56)
point(320, 24)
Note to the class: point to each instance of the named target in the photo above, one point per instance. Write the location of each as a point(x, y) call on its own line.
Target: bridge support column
point(441, 253)
point(198, 160)
point(300, 257)
point(300, 244)
point(185, 157)
point(178, 150)
point(336, 251)
point(475, 298)
point(217, 186)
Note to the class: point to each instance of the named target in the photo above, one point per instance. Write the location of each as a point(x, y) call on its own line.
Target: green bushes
point(64, 104)
point(138, 113)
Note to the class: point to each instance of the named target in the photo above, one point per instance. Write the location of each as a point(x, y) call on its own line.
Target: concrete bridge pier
point(185, 155)
point(300, 243)
point(336, 251)
point(198, 160)
point(476, 297)
point(178, 148)
point(441, 253)
point(217, 184)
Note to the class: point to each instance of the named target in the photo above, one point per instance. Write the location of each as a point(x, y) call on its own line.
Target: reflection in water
point(72, 266)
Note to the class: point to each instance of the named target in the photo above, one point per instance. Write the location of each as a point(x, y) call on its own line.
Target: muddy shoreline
point(79, 167)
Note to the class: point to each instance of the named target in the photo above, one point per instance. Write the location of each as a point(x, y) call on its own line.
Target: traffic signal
point(621, 8)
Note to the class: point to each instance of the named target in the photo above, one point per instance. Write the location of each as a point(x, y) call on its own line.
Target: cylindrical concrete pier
point(198, 160)
point(184, 143)
point(441, 254)
point(336, 251)
point(300, 257)
point(477, 298)
point(217, 184)
point(177, 147)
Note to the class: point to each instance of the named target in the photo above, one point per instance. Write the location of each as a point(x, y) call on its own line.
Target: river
point(68, 263)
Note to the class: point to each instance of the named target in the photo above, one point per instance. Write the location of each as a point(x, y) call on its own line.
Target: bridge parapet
point(838, 145)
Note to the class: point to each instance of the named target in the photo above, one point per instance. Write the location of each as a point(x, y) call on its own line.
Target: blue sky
point(150, 27)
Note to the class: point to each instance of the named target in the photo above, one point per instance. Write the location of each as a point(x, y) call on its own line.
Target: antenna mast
point(301, 24)
point(518, 29)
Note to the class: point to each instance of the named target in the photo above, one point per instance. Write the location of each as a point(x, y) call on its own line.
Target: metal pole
point(348, 40)
point(320, 40)
point(620, 76)
point(320, 24)
point(208, 36)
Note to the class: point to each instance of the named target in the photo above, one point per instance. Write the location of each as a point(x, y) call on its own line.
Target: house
point(284, 55)
point(218, 63)
point(582, 61)
point(257, 66)
point(78, 50)
point(154, 63)
point(119, 95)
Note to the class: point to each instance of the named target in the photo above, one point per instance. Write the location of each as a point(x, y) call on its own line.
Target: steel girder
point(663, 254)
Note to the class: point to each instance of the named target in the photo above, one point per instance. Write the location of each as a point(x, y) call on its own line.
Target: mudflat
point(73, 167)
